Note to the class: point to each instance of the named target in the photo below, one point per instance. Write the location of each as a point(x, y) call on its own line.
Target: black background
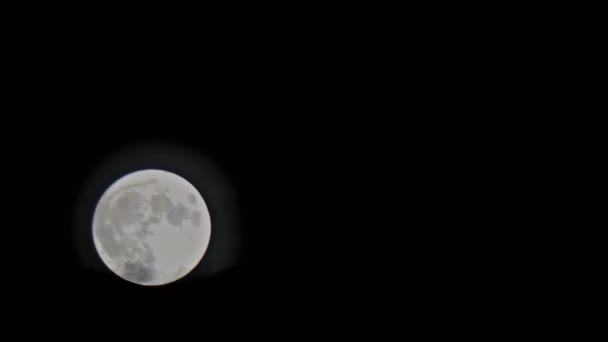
point(360, 215)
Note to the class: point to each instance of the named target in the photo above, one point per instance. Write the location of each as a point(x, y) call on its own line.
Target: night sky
point(354, 215)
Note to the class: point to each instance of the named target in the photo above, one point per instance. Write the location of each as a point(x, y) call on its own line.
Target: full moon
point(151, 227)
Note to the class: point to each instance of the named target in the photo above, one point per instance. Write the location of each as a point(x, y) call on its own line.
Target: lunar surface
point(151, 227)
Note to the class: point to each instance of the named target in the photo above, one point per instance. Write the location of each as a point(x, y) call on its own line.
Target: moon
point(151, 227)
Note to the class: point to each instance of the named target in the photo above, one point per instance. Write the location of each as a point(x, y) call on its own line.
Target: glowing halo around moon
point(151, 227)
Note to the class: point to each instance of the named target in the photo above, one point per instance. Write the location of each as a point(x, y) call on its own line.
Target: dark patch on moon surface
point(160, 202)
point(137, 272)
point(176, 215)
point(126, 209)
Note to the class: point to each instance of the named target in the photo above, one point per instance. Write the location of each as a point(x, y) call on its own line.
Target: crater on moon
point(151, 227)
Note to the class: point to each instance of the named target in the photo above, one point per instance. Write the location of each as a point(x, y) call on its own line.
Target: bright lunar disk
point(151, 227)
